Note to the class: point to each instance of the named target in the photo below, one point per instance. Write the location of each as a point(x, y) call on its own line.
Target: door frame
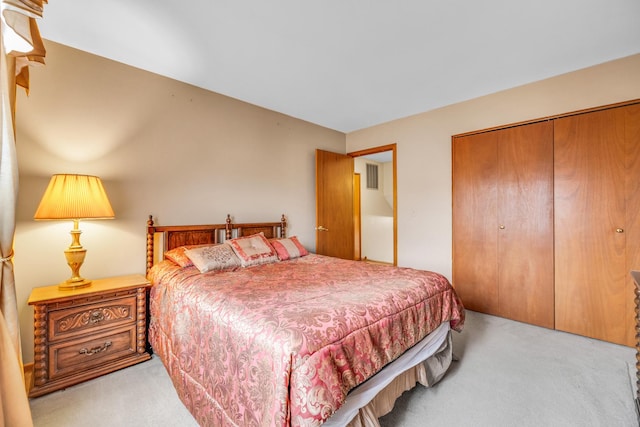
point(357, 217)
point(380, 149)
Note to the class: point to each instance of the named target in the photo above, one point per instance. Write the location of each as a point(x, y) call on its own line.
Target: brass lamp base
point(69, 285)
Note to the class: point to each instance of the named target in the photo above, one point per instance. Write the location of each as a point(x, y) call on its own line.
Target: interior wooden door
point(525, 223)
point(593, 288)
point(475, 174)
point(334, 205)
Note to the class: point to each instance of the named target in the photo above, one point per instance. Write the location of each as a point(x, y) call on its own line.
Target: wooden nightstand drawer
point(71, 322)
point(69, 357)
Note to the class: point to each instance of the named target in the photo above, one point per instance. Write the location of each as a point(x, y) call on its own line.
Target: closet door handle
point(501, 227)
point(321, 228)
point(619, 230)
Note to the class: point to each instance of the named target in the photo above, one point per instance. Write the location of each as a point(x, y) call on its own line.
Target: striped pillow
point(289, 248)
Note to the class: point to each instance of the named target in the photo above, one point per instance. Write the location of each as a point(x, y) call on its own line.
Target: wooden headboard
point(163, 238)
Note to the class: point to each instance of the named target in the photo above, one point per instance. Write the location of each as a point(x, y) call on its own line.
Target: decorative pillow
point(178, 256)
point(288, 248)
point(210, 258)
point(253, 250)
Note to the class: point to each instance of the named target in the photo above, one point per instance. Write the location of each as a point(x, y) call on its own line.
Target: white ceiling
point(350, 64)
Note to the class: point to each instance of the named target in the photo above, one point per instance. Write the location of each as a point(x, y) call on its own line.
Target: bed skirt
point(425, 363)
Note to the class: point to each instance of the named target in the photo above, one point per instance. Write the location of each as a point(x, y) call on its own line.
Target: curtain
point(21, 46)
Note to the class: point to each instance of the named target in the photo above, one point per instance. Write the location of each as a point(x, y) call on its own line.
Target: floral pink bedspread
point(283, 343)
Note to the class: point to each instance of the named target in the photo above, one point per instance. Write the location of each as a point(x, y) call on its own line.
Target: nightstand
point(87, 332)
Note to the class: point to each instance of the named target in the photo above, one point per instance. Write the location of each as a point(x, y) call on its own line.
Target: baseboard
point(28, 376)
point(372, 261)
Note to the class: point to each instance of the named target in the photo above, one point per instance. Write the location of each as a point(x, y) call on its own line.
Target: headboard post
point(228, 228)
point(150, 232)
point(283, 226)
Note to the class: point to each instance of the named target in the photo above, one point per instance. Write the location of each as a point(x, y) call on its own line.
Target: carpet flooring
point(508, 374)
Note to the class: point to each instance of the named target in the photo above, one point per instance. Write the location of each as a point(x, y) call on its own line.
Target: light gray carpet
point(509, 374)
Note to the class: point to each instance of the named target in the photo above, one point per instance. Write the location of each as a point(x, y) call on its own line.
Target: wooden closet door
point(593, 288)
point(632, 205)
point(525, 223)
point(503, 222)
point(475, 274)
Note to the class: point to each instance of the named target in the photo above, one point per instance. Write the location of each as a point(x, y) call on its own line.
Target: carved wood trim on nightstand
point(142, 320)
point(90, 317)
point(40, 345)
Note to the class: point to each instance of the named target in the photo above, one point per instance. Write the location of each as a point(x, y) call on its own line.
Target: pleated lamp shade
point(74, 197)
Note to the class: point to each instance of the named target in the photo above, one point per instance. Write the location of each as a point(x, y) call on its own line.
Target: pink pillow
point(253, 250)
point(289, 248)
point(178, 256)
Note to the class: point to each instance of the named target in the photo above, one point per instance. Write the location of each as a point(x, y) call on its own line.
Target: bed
point(278, 336)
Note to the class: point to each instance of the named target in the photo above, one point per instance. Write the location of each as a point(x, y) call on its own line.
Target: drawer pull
point(96, 316)
point(95, 350)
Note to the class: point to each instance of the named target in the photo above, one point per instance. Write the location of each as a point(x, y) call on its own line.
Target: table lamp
point(74, 197)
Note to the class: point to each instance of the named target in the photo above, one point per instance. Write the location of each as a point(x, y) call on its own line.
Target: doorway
point(375, 204)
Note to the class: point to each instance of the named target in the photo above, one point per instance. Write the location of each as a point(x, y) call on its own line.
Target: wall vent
point(372, 176)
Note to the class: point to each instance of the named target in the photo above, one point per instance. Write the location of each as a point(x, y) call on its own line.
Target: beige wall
point(162, 147)
point(187, 155)
point(424, 147)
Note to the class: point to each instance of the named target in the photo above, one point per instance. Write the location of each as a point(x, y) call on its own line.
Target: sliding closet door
point(596, 190)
